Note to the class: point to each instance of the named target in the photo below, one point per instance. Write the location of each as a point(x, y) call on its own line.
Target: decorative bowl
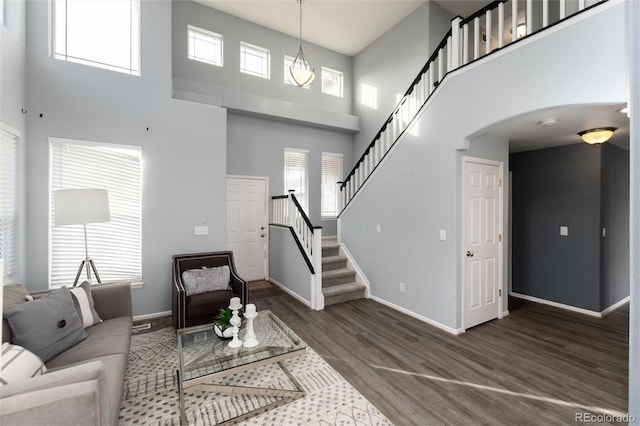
point(226, 334)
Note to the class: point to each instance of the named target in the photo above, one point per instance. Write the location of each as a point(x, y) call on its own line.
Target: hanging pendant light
point(301, 73)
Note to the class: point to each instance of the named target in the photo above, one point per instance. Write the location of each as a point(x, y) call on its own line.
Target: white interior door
point(482, 241)
point(247, 225)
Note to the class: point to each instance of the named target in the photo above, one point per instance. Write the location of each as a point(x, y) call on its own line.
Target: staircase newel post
point(317, 298)
point(455, 43)
point(291, 217)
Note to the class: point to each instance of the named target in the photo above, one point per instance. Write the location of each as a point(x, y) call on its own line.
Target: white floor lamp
point(82, 206)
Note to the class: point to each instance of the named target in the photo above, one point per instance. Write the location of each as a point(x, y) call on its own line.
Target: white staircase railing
point(286, 211)
point(468, 40)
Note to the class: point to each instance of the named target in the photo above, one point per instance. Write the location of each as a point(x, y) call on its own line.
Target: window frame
point(340, 74)
point(126, 218)
point(10, 178)
point(334, 185)
point(217, 40)
point(246, 48)
point(304, 200)
point(60, 51)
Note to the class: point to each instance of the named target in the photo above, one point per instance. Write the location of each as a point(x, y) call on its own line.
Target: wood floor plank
point(539, 365)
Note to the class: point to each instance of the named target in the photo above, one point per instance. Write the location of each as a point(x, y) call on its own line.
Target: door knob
point(263, 235)
point(470, 253)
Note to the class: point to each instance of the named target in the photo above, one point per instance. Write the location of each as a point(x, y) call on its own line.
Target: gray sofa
point(83, 384)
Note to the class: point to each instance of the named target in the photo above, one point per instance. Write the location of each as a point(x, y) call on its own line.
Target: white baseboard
point(557, 305)
point(505, 313)
point(290, 292)
point(151, 316)
point(419, 317)
point(615, 306)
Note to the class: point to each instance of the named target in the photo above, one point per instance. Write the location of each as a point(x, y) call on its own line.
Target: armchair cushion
point(203, 280)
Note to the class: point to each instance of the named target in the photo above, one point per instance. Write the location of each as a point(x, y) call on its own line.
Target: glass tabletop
point(203, 353)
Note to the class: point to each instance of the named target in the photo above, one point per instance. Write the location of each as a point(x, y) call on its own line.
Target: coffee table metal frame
point(245, 360)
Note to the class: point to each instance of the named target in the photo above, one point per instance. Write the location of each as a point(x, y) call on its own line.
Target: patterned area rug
point(150, 394)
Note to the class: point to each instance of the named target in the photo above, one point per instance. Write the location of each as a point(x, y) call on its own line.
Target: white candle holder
point(235, 323)
point(250, 340)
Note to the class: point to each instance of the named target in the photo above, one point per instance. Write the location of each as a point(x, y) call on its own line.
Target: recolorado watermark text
point(604, 418)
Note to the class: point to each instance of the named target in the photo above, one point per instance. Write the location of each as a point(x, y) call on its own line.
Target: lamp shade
point(81, 206)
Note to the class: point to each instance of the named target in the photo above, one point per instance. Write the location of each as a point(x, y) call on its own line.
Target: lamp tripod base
point(81, 267)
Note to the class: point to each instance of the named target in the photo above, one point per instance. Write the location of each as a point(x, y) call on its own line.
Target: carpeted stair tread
point(344, 272)
point(343, 293)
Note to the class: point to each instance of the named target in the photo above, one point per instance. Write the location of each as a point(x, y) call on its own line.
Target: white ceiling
point(344, 26)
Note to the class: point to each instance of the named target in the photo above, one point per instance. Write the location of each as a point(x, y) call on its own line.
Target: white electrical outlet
point(379, 228)
point(201, 230)
point(443, 235)
point(402, 288)
point(564, 231)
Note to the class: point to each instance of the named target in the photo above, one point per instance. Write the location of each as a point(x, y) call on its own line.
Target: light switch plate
point(201, 230)
point(379, 229)
point(564, 231)
point(443, 235)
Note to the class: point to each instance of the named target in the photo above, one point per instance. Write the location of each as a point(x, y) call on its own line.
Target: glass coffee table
point(204, 358)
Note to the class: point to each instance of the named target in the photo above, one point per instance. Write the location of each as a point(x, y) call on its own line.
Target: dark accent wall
point(615, 219)
point(552, 188)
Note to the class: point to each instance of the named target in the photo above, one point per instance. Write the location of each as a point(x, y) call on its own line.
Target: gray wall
point(184, 150)
point(12, 101)
point(615, 218)
point(234, 30)
point(391, 63)
point(416, 191)
point(551, 188)
point(286, 264)
point(255, 147)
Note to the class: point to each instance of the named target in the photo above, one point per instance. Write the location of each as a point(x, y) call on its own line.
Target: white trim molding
point(352, 264)
point(594, 314)
point(419, 317)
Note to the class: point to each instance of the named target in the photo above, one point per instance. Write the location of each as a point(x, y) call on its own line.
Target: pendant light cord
point(300, 1)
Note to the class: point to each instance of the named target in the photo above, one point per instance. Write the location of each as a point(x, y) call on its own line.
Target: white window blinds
point(8, 203)
point(331, 175)
point(295, 174)
point(115, 246)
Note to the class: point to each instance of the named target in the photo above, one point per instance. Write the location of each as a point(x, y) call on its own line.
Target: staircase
point(338, 281)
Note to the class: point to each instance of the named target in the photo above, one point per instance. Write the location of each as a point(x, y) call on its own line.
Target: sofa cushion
point(46, 326)
point(109, 337)
point(83, 302)
point(17, 363)
point(203, 280)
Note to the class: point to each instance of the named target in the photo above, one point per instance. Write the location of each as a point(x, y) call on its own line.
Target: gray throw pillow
point(46, 326)
point(83, 302)
point(206, 279)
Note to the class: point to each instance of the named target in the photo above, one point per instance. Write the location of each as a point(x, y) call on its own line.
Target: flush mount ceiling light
point(301, 73)
point(597, 136)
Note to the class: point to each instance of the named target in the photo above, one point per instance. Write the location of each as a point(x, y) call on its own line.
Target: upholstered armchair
point(191, 303)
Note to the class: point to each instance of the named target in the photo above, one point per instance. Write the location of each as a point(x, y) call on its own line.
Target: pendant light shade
point(301, 73)
point(597, 136)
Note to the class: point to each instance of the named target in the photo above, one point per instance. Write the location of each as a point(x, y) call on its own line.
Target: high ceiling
point(348, 26)
point(344, 26)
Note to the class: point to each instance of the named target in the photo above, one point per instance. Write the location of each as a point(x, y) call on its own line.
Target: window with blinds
point(8, 203)
point(331, 175)
point(295, 174)
point(115, 246)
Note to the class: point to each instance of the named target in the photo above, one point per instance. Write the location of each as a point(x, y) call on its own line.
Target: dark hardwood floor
point(539, 365)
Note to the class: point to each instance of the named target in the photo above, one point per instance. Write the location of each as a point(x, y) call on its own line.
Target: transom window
point(204, 46)
point(99, 33)
point(254, 60)
point(331, 82)
point(115, 246)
